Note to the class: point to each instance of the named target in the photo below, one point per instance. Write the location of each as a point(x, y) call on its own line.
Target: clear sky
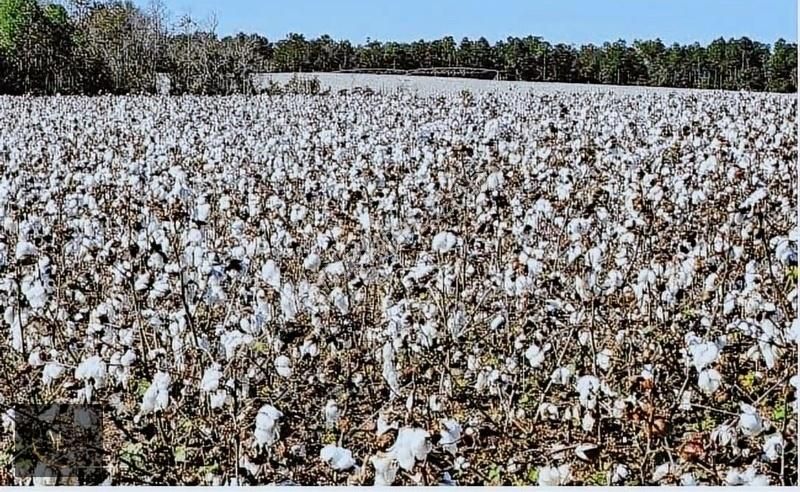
point(569, 21)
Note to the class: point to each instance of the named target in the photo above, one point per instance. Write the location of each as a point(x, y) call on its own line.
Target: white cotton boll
point(267, 428)
point(620, 474)
point(773, 447)
point(219, 398)
point(749, 477)
point(663, 471)
point(231, 340)
point(688, 480)
point(340, 301)
point(211, 377)
point(51, 372)
point(750, 422)
point(497, 322)
point(309, 348)
point(495, 181)
point(709, 380)
point(142, 282)
point(92, 368)
point(340, 459)
point(723, 435)
point(411, 444)
point(587, 422)
point(390, 374)
point(703, 354)
point(331, 413)
point(34, 360)
point(335, 269)
point(382, 426)
point(686, 400)
point(587, 387)
point(283, 366)
point(288, 302)
point(444, 242)
point(312, 262)
point(25, 250)
point(603, 359)
point(549, 411)
point(450, 436)
point(536, 355)
point(594, 258)
point(156, 397)
point(271, 274)
point(385, 469)
point(35, 294)
point(551, 476)
point(201, 213)
point(561, 376)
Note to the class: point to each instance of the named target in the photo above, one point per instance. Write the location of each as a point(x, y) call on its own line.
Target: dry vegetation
point(363, 288)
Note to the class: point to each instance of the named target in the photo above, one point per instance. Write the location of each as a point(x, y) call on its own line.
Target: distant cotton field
point(487, 287)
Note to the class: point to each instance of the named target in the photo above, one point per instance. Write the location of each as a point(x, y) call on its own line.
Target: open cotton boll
point(703, 354)
point(312, 262)
point(411, 444)
point(219, 398)
point(450, 436)
point(211, 377)
point(620, 474)
point(561, 376)
point(283, 366)
point(709, 380)
point(267, 429)
point(749, 477)
point(331, 413)
point(551, 476)
point(231, 340)
point(587, 387)
point(156, 397)
point(339, 459)
point(773, 447)
point(750, 423)
point(51, 372)
point(93, 368)
point(35, 293)
point(383, 426)
point(444, 242)
point(271, 274)
point(386, 467)
point(340, 301)
point(25, 251)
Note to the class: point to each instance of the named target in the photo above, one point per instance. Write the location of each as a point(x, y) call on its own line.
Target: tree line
point(92, 47)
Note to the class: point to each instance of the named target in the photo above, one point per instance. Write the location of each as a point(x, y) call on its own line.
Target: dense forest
point(92, 47)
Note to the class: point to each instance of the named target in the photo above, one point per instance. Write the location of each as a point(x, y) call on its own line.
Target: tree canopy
point(118, 47)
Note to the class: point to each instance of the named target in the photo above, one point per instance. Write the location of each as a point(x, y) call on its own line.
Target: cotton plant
point(551, 476)
point(156, 397)
point(411, 445)
point(339, 459)
point(267, 428)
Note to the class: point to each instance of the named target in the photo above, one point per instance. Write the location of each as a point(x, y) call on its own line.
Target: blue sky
point(570, 21)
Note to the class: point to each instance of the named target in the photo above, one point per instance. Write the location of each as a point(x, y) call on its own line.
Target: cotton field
point(561, 288)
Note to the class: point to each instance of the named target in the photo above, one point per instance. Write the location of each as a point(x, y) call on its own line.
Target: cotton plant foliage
point(538, 288)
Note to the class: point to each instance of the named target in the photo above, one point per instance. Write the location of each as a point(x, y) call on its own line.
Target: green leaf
point(708, 423)
point(779, 413)
point(533, 475)
point(748, 380)
point(494, 473)
point(180, 454)
point(141, 387)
